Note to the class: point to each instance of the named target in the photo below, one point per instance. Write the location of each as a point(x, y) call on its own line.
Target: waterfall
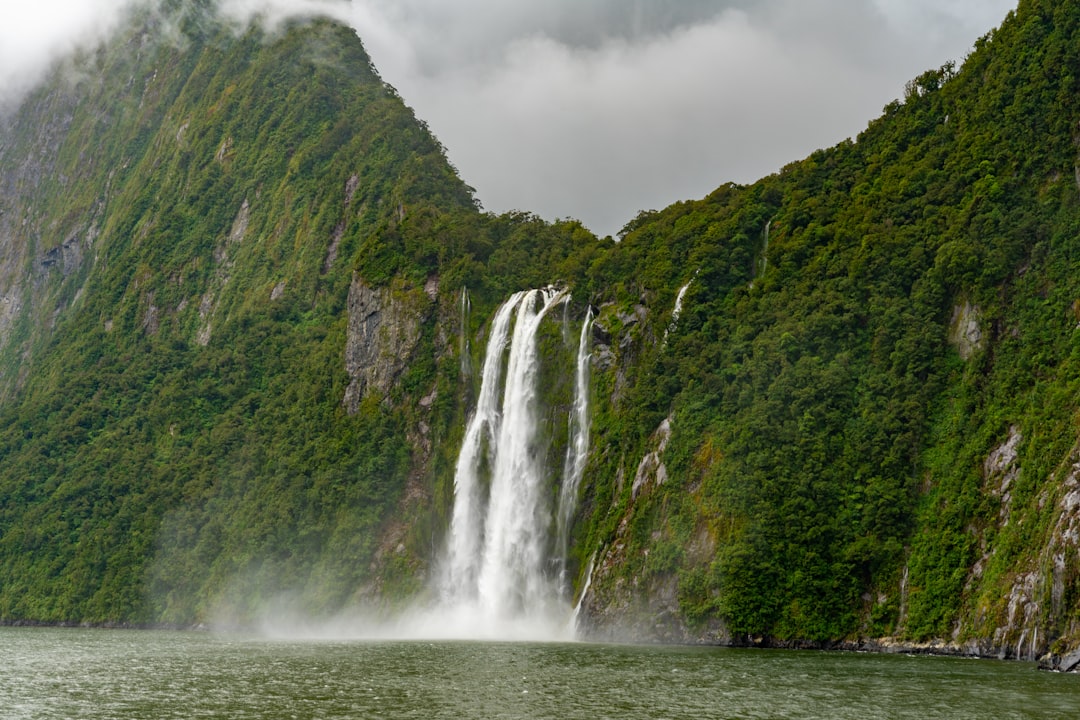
point(479, 446)
point(677, 310)
point(497, 575)
point(584, 592)
point(762, 263)
point(511, 581)
point(463, 343)
point(577, 449)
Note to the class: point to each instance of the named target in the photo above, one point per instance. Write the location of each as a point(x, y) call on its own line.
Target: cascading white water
point(497, 579)
point(577, 449)
point(512, 581)
point(584, 593)
point(677, 310)
point(478, 448)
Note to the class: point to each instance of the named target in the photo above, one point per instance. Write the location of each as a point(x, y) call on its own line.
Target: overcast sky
point(596, 109)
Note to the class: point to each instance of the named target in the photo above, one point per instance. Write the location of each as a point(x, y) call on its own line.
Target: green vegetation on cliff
point(861, 331)
point(186, 220)
point(230, 352)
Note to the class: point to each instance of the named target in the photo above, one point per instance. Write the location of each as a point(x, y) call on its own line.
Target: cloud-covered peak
point(596, 109)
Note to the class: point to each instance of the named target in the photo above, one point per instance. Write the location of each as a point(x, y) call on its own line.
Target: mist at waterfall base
point(503, 574)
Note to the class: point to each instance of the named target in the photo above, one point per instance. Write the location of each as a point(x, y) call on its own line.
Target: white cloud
point(276, 11)
point(600, 124)
point(33, 34)
point(601, 133)
point(599, 108)
point(945, 21)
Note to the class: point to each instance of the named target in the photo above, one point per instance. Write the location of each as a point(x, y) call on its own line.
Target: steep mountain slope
point(231, 267)
point(243, 298)
point(864, 422)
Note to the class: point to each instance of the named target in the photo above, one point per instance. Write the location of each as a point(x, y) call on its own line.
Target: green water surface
point(69, 673)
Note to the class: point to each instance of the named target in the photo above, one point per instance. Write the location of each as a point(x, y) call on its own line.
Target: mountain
point(231, 271)
point(246, 308)
point(865, 416)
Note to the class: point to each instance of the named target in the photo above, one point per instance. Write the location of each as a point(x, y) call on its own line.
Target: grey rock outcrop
point(383, 332)
point(965, 330)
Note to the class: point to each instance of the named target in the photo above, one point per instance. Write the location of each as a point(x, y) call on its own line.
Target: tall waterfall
point(478, 448)
point(497, 573)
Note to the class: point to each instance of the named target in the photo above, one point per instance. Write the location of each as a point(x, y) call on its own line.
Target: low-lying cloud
point(596, 109)
point(599, 109)
point(35, 34)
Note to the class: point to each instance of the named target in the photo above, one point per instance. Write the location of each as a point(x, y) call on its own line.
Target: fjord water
point(120, 674)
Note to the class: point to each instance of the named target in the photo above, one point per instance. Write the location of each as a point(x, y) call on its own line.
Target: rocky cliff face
point(1033, 597)
point(41, 256)
point(383, 332)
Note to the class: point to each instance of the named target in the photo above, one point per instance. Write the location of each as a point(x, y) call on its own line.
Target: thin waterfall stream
point(463, 342)
point(577, 450)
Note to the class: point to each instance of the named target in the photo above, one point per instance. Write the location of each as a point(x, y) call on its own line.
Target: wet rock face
point(965, 330)
point(651, 470)
point(66, 257)
point(53, 250)
point(1061, 663)
point(12, 279)
point(1032, 619)
point(383, 333)
point(621, 603)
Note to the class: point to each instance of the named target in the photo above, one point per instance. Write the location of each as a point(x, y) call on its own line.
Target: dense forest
point(873, 384)
point(234, 353)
